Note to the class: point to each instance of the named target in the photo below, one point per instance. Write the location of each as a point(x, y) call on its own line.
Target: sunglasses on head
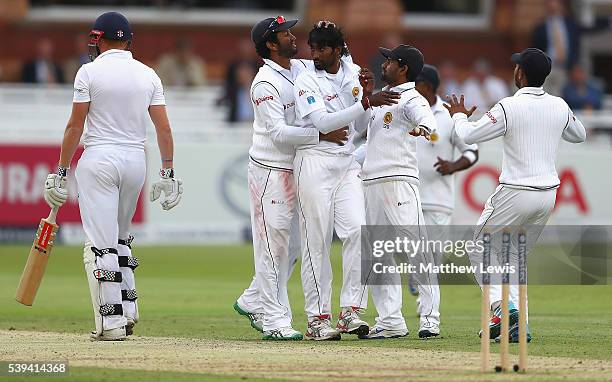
point(273, 25)
point(325, 24)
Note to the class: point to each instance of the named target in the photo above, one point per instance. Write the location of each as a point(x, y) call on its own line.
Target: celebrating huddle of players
point(304, 165)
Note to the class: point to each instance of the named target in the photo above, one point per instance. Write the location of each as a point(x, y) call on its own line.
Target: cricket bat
point(37, 260)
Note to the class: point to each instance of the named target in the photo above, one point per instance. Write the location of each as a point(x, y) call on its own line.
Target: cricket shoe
point(428, 330)
point(350, 322)
point(378, 333)
point(117, 334)
point(320, 329)
point(513, 334)
point(129, 328)
point(256, 319)
point(283, 334)
point(495, 322)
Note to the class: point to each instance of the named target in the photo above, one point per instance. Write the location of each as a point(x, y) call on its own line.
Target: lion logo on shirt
point(388, 118)
point(355, 91)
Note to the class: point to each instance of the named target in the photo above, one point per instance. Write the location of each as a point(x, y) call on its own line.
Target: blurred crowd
point(558, 35)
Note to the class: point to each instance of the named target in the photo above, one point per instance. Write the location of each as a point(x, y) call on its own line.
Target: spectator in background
point(182, 67)
point(375, 63)
point(580, 92)
point(81, 57)
point(449, 82)
point(235, 75)
point(559, 36)
point(244, 77)
point(484, 89)
point(42, 70)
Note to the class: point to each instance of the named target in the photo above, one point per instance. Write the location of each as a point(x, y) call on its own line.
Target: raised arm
point(490, 126)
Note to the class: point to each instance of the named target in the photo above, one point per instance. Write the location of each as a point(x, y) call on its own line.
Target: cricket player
point(531, 123)
point(115, 94)
point(329, 191)
point(437, 163)
point(270, 177)
point(391, 178)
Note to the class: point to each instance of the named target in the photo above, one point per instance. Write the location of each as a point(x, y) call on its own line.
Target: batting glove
point(55, 192)
point(172, 189)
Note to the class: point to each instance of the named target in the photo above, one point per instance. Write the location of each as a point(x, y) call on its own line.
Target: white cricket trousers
point(272, 202)
point(397, 203)
point(330, 195)
point(109, 180)
point(517, 208)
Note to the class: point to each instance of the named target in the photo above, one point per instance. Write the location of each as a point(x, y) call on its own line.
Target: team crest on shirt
point(387, 118)
point(356, 93)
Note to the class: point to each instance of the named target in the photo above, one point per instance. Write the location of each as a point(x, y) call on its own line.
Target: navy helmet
point(111, 26)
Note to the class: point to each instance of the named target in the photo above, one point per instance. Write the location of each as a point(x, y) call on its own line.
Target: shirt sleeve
point(574, 132)
point(81, 87)
point(158, 97)
point(307, 95)
point(267, 103)
point(467, 151)
point(419, 112)
point(360, 153)
point(490, 126)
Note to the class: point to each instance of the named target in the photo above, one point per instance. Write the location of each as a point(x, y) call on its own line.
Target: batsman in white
point(329, 191)
point(113, 95)
point(531, 124)
point(270, 178)
point(391, 178)
point(437, 164)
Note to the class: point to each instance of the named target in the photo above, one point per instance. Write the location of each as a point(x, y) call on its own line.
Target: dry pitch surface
point(293, 361)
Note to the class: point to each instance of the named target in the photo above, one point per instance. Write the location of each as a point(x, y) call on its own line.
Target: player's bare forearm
point(462, 163)
point(73, 132)
point(164, 134)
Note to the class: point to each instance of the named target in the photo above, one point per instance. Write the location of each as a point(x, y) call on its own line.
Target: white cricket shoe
point(429, 329)
point(117, 334)
point(283, 334)
point(378, 333)
point(320, 329)
point(255, 319)
point(350, 322)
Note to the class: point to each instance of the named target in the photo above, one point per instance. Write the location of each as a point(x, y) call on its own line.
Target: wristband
point(62, 171)
point(166, 173)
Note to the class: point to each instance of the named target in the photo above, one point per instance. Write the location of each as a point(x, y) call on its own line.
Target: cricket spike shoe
point(320, 329)
point(117, 334)
point(129, 328)
point(378, 333)
point(513, 334)
point(256, 319)
point(428, 330)
point(282, 334)
point(495, 322)
point(350, 322)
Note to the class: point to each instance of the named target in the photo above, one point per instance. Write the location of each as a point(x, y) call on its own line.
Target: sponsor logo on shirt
point(301, 93)
point(330, 97)
point(277, 201)
point(260, 100)
point(491, 117)
point(399, 204)
point(287, 106)
point(79, 90)
point(311, 100)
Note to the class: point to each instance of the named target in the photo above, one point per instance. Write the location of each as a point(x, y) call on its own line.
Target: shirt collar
point(530, 90)
point(116, 52)
point(401, 87)
point(275, 66)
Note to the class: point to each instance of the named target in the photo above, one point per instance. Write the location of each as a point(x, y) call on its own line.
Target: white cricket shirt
point(531, 123)
point(391, 152)
point(275, 129)
point(119, 90)
point(438, 191)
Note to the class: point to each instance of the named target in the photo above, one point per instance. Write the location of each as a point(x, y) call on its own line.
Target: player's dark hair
point(328, 35)
point(536, 82)
point(262, 48)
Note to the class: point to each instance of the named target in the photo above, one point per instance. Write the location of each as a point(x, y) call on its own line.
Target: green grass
point(189, 292)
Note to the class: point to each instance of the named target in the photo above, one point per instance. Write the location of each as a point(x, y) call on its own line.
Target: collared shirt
point(438, 191)
point(531, 123)
point(391, 152)
point(120, 90)
point(275, 129)
point(315, 91)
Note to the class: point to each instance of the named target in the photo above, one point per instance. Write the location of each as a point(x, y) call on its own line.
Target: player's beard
point(386, 77)
point(288, 51)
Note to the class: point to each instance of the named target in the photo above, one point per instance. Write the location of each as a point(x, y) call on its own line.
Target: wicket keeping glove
point(172, 189)
point(55, 192)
